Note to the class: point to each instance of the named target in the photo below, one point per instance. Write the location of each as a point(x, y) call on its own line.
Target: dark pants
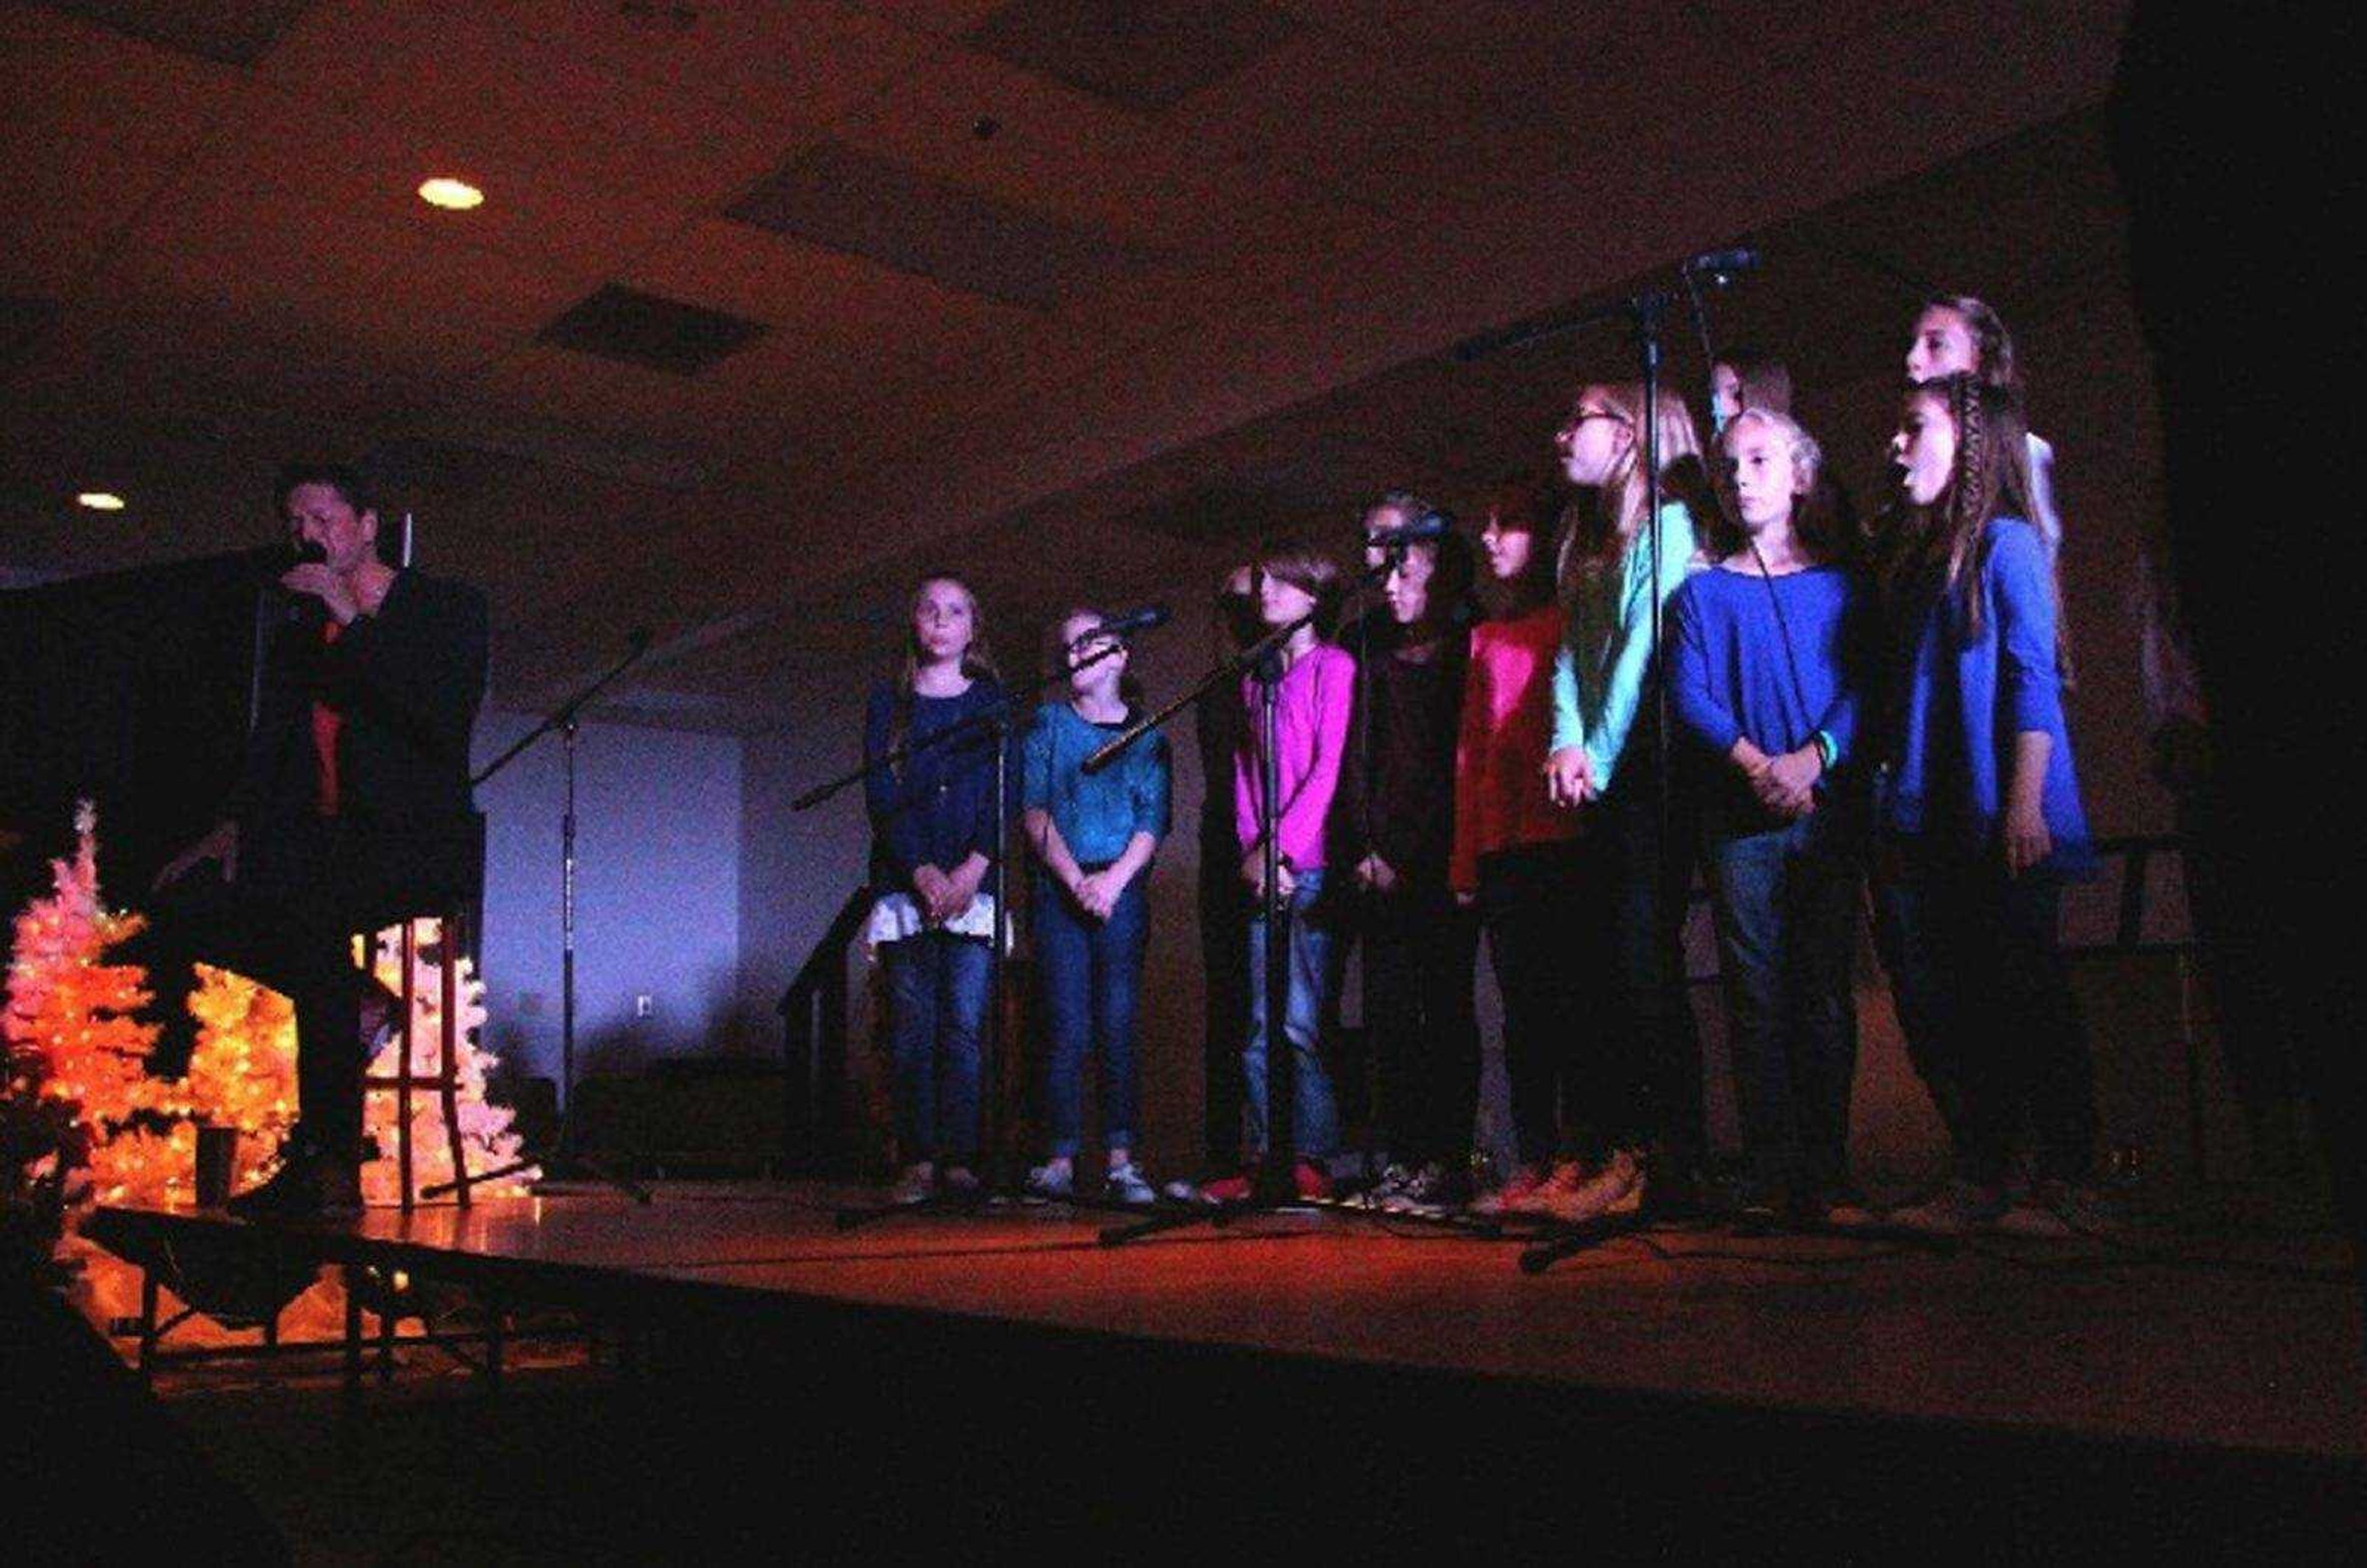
point(1421, 1020)
point(1093, 985)
point(1651, 884)
point(305, 887)
point(1981, 963)
point(1783, 899)
point(1225, 1004)
point(937, 985)
point(1903, 948)
point(1529, 908)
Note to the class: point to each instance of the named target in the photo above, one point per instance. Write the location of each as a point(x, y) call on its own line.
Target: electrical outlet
point(644, 1005)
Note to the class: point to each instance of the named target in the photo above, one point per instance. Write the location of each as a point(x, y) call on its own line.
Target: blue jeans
point(1314, 1122)
point(1093, 982)
point(1783, 900)
point(936, 1000)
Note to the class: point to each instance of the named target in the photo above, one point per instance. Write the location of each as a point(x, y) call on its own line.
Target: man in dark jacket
point(352, 808)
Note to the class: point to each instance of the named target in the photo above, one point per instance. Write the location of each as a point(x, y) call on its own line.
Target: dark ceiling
point(768, 302)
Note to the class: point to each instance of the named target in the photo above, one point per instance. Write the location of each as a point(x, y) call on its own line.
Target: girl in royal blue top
point(1764, 676)
point(1978, 806)
point(1094, 835)
point(932, 869)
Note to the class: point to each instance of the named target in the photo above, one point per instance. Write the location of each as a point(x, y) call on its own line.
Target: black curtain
point(133, 689)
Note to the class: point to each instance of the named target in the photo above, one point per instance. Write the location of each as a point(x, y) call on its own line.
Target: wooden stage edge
point(2225, 1343)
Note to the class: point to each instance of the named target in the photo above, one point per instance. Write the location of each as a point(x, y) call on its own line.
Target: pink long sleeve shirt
point(1313, 705)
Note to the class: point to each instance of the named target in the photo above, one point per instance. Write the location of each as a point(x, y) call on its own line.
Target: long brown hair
point(1946, 543)
point(1999, 365)
point(1598, 532)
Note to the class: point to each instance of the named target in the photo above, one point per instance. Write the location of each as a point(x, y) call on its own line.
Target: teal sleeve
point(1568, 725)
point(1631, 657)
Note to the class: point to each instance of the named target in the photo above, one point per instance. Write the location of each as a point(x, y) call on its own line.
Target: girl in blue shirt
point(1095, 835)
point(932, 867)
point(1763, 680)
point(1977, 805)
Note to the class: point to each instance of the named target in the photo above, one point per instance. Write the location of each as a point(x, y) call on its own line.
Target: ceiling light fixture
point(453, 195)
point(100, 501)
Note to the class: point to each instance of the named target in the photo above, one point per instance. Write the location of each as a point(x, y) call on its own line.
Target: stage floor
point(2248, 1344)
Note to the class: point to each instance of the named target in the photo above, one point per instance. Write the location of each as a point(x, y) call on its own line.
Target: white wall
point(656, 901)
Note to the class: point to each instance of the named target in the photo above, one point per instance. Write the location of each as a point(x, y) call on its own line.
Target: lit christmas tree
point(73, 1042)
point(77, 1096)
point(485, 1135)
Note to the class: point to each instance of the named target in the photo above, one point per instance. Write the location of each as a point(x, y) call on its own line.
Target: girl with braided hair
point(1956, 332)
point(1976, 805)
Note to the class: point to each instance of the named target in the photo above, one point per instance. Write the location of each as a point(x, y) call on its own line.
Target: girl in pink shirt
point(1314, 699)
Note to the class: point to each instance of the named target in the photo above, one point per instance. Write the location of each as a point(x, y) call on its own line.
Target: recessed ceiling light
point(100, 501)
point(455, 195)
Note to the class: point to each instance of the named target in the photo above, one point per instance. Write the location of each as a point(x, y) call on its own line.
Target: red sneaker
point(1233, 1189)
point(1518, 1195)
point(1309, 1179)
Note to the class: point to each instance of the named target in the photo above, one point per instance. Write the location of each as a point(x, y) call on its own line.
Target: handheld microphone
point(298, 608)
point(1149, 617)
point(1426, 529)
point(1719, 269)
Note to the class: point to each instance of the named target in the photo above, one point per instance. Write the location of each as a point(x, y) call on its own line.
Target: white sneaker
point(1054, 1182)
point(913, 1183)
point(1126, 1184)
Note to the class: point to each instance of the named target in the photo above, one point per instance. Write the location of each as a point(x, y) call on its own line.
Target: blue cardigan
point(938, 805)
point(1958, 704)
point(1729, 676)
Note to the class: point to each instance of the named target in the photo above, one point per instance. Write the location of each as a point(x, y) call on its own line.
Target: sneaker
point(913, 1184)
point(1125, 1184)
point(1052, 1181)
point(1616, 1188)
point(1842, 1206)
point(1310, 1180)
point(958, 1182)
point(1183, 1191)
point(1956, 1208)
point(1517, 1196)
point(1233, 1189)
point(1384, 1192)
point(1433, 1190)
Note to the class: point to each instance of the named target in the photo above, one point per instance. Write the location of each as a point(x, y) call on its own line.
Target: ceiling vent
point(1139, 55)
point(617, 323)
point(234, 32)
point(833, 196)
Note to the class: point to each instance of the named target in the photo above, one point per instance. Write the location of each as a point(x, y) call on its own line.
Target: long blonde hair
point(1598, 532)
point(977, 663)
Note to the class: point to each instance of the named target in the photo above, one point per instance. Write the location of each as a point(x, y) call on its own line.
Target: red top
point(1500, 756)
point(326, 722)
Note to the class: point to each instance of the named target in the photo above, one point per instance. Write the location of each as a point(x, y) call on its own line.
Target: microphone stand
point(1273, 1188)
point(996, 718)
point(566, 719)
